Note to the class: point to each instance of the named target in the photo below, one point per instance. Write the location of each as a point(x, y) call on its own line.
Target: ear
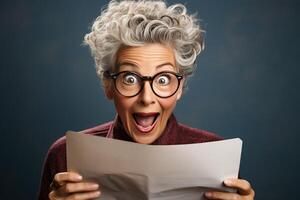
point(180, 89)
point(108, 90)
point(109, 94)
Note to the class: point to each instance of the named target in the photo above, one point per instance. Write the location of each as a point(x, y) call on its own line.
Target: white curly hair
point(135, 23)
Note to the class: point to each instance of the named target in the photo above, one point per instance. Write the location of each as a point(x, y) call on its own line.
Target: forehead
point(148, 55)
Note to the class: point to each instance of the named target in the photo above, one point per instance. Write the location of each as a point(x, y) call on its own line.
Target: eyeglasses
point(129, 84)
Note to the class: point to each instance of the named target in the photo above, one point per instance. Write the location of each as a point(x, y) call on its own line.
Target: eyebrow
point(134, 65)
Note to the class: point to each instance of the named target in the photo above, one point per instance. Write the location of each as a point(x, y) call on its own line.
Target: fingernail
point(228, 182)
point(95, 185)
point(79, 177)
point(97, 193)
point(208, 194)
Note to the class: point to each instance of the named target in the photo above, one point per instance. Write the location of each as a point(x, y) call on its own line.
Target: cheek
point(168, 104)
point(122, 104)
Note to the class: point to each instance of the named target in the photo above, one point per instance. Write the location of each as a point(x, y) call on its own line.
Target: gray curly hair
point(135, 23)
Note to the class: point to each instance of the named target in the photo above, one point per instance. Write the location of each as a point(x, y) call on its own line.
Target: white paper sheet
point(131, 171)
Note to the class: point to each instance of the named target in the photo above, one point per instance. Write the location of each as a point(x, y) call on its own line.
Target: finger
point(82, 196)
point(222, 195)
point(54, 185)
point(63, 177)
point(243, 186)
point(53, 196)
point(78, 187)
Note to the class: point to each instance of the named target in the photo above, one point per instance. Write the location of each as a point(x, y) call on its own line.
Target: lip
point(150, 128)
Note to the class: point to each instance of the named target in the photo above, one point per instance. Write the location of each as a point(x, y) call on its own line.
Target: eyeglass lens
point(163, 84)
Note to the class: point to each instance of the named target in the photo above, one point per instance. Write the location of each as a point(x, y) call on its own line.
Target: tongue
point(144, 121)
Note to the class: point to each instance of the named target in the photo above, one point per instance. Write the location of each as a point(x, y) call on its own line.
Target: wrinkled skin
point(143, 60)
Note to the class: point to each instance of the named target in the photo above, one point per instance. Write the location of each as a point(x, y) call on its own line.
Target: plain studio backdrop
point(246, 85)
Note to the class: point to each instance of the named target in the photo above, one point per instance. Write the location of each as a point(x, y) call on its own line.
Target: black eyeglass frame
point(114, 76)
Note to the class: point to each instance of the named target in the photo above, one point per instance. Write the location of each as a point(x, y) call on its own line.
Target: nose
point(147, 96)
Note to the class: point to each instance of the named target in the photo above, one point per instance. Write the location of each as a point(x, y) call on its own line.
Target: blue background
point(246, 85)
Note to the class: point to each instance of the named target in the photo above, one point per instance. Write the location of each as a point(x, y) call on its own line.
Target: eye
point(130, 79)
point(163, 79)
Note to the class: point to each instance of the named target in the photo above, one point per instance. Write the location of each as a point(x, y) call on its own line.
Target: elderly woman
point(144, 53)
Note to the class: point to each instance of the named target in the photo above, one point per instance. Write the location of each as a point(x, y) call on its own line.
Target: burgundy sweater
point(174, 133)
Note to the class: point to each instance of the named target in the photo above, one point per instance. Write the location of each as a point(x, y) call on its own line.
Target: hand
point(244, 191)
point(69, 185)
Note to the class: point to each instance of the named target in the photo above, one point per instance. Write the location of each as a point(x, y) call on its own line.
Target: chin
point(143, 139)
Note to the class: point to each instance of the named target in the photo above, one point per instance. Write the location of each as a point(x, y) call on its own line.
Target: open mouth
point(145, 122)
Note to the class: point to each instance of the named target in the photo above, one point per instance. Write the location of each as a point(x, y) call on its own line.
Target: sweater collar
point(168, 136)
